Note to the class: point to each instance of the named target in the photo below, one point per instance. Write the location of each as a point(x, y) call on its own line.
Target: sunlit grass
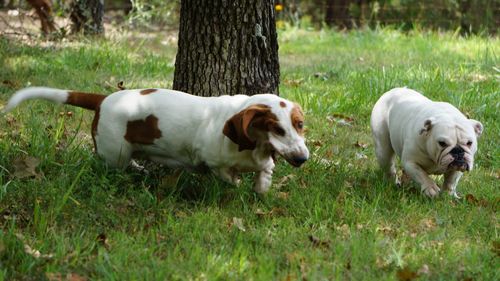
point(335, 218)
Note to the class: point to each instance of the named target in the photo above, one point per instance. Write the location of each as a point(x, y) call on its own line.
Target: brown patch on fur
point(147, 91)
point(85, 100)
point(258, 116)
point(94, 126)
point(297, 117)
point(143, 131)
point(282, 104)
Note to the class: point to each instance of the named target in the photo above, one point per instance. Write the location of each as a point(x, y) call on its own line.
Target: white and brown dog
point(429, 137)
point(228, 134)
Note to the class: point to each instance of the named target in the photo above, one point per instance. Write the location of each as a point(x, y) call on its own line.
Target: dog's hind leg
point(116, 155)
point(384, 151)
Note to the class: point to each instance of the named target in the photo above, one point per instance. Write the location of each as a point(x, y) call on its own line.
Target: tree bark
point(43, 9)
point(337, 13)
point(87, 15)
point(227, 47)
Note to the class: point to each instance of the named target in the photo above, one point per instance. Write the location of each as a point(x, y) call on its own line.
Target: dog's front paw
point(454, 194)
point(263, 181)
point(431, 190)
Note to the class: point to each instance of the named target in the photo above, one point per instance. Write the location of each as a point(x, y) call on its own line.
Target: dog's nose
point(457, 150)
point(299, 160)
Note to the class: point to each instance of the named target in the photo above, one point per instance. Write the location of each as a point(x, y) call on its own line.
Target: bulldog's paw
point(454, 194)
point(431, 190)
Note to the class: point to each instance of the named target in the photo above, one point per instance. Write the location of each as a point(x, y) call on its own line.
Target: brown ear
point(236, 128)
point(427, 126)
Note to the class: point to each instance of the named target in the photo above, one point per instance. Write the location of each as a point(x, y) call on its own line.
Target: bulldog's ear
point(427, 126)
point(236, 128)
point(478, 127)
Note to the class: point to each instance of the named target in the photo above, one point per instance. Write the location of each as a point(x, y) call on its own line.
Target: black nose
point(457, 150)
point(299, 160)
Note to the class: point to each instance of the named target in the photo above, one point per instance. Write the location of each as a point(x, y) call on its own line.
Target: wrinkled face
point(453, 146)
point(277, 124)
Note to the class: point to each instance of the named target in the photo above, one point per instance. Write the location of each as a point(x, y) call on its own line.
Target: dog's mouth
point(461, 166)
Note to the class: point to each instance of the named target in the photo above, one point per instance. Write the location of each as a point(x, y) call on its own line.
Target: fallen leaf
point(11, 84)
point(343, 122)
point(261, 213)
point(318, 243)
point(361, 145)
point(424, 270)
point(25, 167)
point(321, 75)
point(69, 277)
point(342, 116)
point(316, 143)
point(283, 195)
point(344, 230)
point(180, 214)
point(67, 114)
point(238, 222)
point(283, 181)
point(406, 274)
point(428, 224)
point(360, 155)
point(75, 277)
point(496, 248)
point(474, 201)
point(103, 240)
point(35, 253)
point(120, 85)
point(293, 82)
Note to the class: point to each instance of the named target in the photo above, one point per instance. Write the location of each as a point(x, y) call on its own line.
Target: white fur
point(192, 131)
point(54, 95)
point(398, 125)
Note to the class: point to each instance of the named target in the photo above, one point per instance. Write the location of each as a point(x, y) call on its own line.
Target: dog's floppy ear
point(427, 126)
point(478, 127)
point(236, 128)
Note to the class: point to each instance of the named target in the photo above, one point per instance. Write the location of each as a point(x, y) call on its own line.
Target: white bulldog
point(429, 137)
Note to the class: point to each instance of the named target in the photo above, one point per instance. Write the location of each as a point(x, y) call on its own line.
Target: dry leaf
point(68, 277)
point(321, 75)
point(428, 224)
point(360, 144)
point(406, 274)
point(344, 230)
point(283, 195)
point(180, 214)
point(293, 82)
point(319, 243)
point(283, 181)
point(474, 201)
point(120, 85)
point(424, 270)
point(342, 116)
point(35, 253)
point(25, 167)
point(360, 155)
point(261, 213)
point(496, 248)
point(238, 222)
point(103, 240)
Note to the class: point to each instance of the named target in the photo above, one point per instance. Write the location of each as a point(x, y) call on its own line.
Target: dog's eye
point(442, 144)
point(279, 131)
point(469, 143)
point(300, 125)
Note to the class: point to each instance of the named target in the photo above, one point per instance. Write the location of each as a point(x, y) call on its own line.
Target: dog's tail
point(84, 100)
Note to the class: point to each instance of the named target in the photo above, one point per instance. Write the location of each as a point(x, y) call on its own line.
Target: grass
point(335, 218)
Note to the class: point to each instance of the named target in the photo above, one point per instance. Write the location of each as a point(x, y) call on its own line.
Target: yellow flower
point(279, 7)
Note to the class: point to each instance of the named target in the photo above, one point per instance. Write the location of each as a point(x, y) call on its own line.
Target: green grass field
point(64, 214)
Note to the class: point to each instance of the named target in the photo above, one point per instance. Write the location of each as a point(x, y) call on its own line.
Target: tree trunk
point(227, 47)
point(337, 13)
point(87, 15)
point(43, 9)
